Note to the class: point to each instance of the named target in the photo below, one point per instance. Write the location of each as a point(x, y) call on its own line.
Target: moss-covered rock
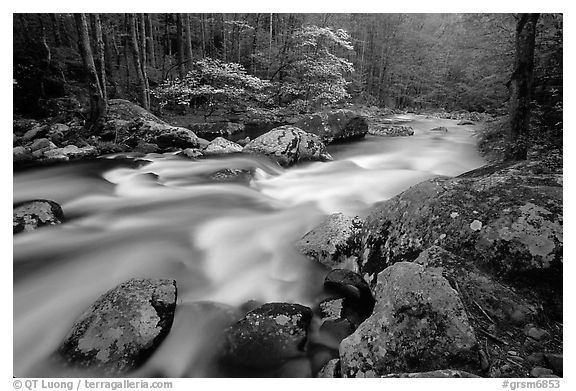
point(289, 145)
point(33, 214)
point(267, 336)
point(419, 324)
point(122, 328)
point(335, 125)
point(507, 219)
point(334, 242)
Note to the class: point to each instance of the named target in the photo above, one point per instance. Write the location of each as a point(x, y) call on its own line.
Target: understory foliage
point(212, 83)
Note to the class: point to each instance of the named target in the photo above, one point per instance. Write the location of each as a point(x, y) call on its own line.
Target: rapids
point(161, 216)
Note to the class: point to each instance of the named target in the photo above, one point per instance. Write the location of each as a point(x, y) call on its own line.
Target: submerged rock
point(442, 129)
point(334, 242)
point(466, 122)
point(122, 328)
point(267, 336)
point(69, 152)
point(289, 145)
point(418, 325)
point(31, 215)
point(335, 125)
point(222, 146)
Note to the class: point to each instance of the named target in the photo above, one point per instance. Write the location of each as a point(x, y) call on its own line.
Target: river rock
point(37, 132)
point(210, 131)
point(267, 336)
point(335, 125)
point(122, 328)
point(465, 122)
point(121, 109)
point(442, 129)
point(502, 304)
point(334, 242)
point(167, 136)
point(22, 125)
point(42, 144)
point(70, 152)
point(21, 154)
point(506, 219)
point(31, 215)
point(541, 372)
point(231, 175)
point(220, 146)
point(390, 130)
point(358, 300)
point(330, 370)
point(419, 324)
point(289, 145)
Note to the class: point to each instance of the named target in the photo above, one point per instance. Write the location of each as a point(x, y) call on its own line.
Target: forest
point(288, 195)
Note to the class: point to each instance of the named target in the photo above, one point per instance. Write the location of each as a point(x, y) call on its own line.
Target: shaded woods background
point(406, 61)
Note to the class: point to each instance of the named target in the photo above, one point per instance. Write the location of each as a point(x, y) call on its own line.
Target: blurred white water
point(222, 241)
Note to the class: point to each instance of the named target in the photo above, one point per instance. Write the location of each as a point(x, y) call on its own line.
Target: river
point(162, 217)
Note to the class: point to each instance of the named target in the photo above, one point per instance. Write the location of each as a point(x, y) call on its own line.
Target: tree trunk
point(136, 58)
point(254, 46)
point(150, 41)
point(100, 63)
point(55, 19)
point(97, 102)
point(180, 46)
point(520, 86)
point(144, 61)
point(189, 53)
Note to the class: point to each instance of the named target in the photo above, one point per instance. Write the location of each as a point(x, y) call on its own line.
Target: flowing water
point(162, 216)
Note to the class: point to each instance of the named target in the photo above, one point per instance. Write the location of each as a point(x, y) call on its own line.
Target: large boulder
point(220, 146)
point(122, 328)
point(289, 145)
point(120, 109)
point(336, 125)
point(21, 154)
point(484, 295)
point(33, 214)
point(210, 131)
point(267, 336)
point(334, 242)
point(507, 219)
point(419, 324)
point(167, 136)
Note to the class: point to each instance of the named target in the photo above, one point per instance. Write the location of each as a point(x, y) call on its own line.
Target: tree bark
point(100, 63)
point(521, 87)
point(144, 61)
point(189, 54)
point(150, 41)
point(136, 58)
point(180, 46)
point(97, 102)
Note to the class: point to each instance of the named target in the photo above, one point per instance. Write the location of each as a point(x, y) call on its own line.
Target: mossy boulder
point(267, 336)
point(122, 328)
point(334, 242)
point(289, 145)
point(419, 324)
point(335, 125)
point(33, 214)
point(507, 219)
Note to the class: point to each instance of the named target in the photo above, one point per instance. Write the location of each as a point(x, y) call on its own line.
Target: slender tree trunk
point(100, 50)
point(521, 86)
point(97, 102)
point(254, 46)
point(189, 53)
point(180, 44)
point(150, 41)
point(55, 19)
point(203, 31)
point(132, 22)
point(144, 61)
point(270, 47)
